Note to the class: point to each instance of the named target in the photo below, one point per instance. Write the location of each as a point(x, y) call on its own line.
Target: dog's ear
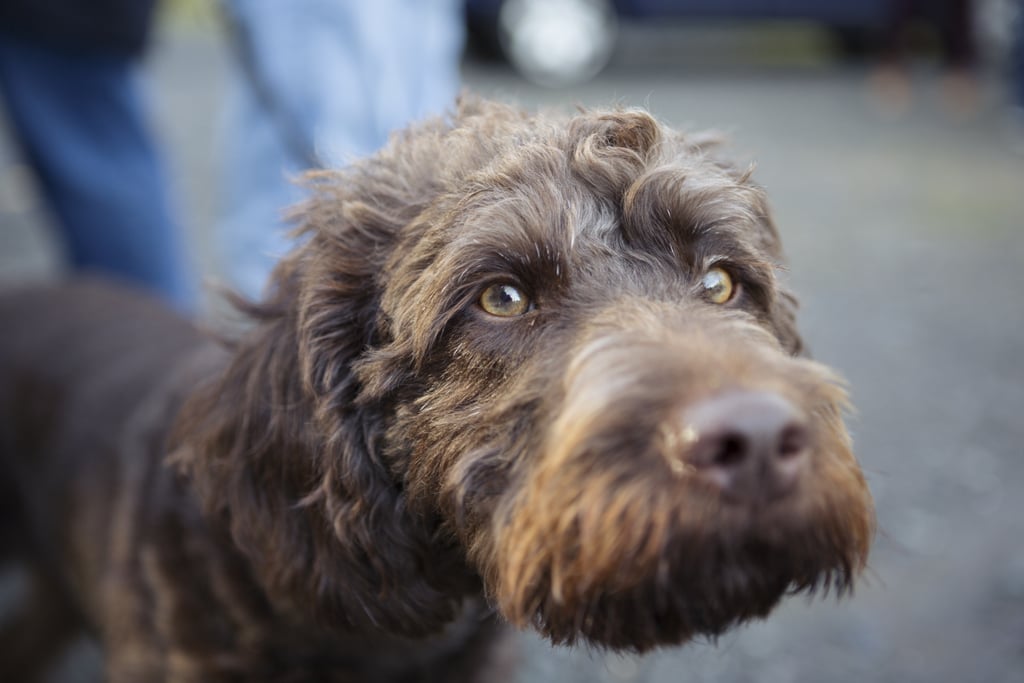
point(281, 450)
point(784, 321)
point(783, 311)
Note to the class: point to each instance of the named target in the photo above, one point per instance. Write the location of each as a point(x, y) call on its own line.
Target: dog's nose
point(751, 445)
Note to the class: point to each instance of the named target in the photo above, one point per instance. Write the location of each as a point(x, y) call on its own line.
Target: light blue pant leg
point(340, 75)
point(80, 120)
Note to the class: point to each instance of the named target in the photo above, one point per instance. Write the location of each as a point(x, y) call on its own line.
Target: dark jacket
point(113, 26)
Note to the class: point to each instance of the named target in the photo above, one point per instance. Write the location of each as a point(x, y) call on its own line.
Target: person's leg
point(405, 56)
point(80, 120)
point(418, 46)
point(1018, 63)
point(960, 89)
point(320, 83)
point(288, 56)
point(256, 188)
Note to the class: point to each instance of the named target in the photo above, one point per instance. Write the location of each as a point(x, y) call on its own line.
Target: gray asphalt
point(906, 242)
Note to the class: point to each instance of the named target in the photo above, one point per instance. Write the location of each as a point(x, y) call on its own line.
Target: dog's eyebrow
point(674, 207)
point(518, 237)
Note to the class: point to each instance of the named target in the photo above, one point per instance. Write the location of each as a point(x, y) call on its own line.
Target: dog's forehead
point(547, 194)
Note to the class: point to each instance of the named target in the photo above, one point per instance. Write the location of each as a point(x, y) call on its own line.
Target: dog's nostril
point(732, 449)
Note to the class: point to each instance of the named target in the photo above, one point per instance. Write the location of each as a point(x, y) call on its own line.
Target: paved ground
point(907, 245)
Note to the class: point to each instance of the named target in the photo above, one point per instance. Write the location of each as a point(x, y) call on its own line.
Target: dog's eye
point(718, 286)
point(504, 301)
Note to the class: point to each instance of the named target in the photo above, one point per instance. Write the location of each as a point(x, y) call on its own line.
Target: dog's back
point(83, 367)
point(91, 380)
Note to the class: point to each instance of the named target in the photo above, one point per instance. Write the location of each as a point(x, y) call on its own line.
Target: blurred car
point(558, 42)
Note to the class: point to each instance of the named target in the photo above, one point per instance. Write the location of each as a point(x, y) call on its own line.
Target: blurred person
point(320, 83)
point(953, 22)
point(69, 74)
point(1017, 75)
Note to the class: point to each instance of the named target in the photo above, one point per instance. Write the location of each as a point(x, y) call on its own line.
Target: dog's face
point(575, 370)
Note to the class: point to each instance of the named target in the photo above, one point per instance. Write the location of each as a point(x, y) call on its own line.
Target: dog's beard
point(636, 564)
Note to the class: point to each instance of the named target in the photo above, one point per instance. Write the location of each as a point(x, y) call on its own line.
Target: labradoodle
point(522, 370)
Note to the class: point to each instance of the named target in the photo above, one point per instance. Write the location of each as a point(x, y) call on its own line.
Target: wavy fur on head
point(382, 450)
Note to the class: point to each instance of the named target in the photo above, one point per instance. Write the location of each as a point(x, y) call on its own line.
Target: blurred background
point(890, 139)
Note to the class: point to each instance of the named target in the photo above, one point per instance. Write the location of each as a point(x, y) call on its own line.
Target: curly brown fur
point(380, 471)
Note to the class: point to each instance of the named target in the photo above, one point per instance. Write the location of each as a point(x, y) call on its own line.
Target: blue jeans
point(320, 83)
point(80, 121)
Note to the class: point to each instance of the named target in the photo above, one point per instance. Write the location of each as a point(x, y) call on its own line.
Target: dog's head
point(549, 355)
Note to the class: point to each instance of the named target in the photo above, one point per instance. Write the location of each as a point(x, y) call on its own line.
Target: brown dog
point(524, 369)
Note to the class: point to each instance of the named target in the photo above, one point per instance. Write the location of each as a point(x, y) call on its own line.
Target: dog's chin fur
point(379, 451)
point(657, 581)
